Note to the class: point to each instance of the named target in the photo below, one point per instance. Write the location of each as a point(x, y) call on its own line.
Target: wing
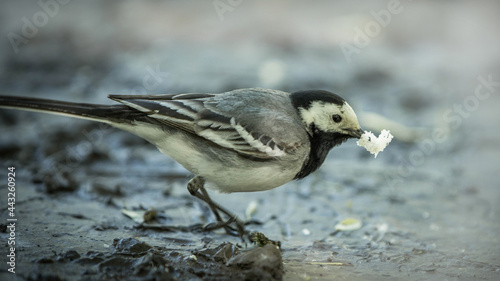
point(178, 111)
point(253, 122)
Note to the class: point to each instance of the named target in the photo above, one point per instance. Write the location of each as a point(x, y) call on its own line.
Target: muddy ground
point(428, 204)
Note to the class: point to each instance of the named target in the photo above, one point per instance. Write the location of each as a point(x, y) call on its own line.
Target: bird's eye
point(336, 118)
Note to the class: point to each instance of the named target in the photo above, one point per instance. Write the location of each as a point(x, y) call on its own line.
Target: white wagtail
point(238, 141)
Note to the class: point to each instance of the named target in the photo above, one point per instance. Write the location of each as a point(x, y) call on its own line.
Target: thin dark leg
point(196, 188)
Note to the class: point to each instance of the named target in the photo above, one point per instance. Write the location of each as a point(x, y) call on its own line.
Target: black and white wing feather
point(246, 121)
point(178, 111)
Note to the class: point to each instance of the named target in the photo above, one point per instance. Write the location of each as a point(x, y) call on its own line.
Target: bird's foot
point(232, 226)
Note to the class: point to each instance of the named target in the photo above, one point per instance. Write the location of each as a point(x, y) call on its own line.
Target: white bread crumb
point(373, 144)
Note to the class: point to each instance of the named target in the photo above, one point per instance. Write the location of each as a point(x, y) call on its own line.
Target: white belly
point(229, 174)
point(222, 171)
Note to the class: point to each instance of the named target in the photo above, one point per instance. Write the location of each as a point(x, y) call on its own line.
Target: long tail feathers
point(96, 112)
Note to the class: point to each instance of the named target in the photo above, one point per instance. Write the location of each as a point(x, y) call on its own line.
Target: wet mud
point(95, 203)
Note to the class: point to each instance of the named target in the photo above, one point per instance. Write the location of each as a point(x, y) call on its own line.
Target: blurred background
point(427, 70)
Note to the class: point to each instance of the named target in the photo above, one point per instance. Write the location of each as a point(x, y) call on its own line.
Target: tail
point(110, 114)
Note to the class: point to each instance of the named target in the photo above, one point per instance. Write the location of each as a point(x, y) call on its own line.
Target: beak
point(355, 133)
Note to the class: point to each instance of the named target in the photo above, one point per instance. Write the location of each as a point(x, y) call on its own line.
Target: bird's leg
point(195, 185)
point(196, 188)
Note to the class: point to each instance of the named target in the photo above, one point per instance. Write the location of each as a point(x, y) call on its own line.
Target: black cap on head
point(305, 98)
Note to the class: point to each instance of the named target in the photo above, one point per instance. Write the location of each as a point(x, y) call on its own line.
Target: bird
point(243, 140)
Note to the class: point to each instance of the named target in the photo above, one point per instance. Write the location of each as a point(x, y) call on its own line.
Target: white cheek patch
point(307, 116)
point(320, 114)
point(373, 144)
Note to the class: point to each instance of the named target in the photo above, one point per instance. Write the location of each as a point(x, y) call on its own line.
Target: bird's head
point(327, 114)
